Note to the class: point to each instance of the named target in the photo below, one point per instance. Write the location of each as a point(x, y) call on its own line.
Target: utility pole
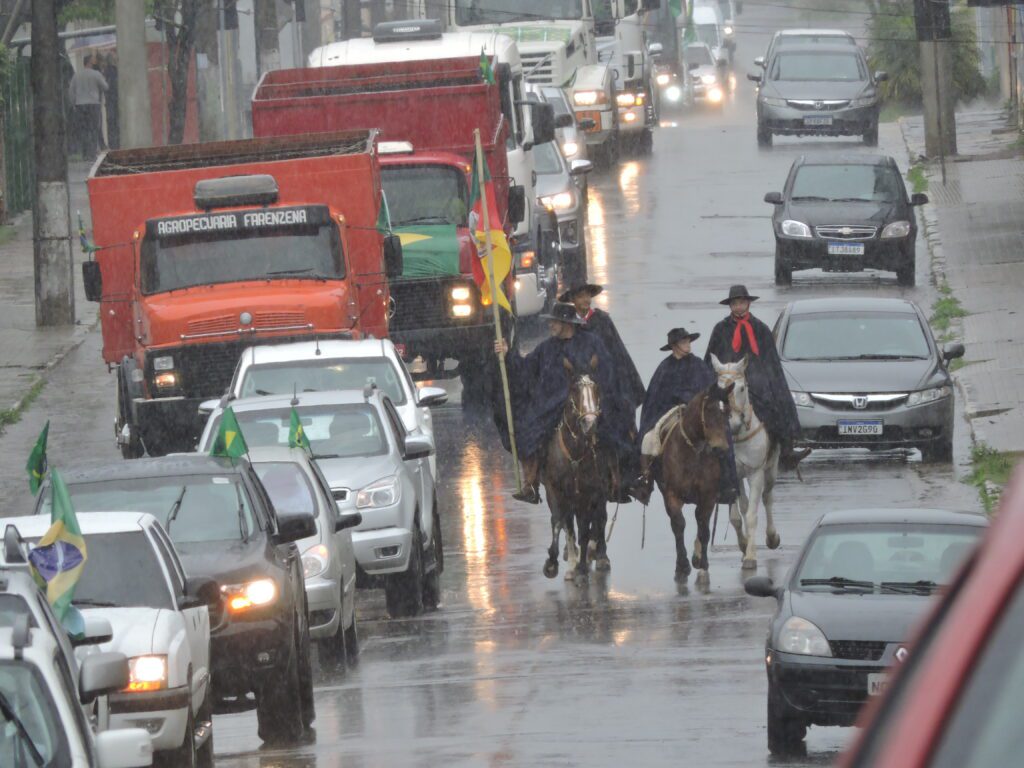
point(51, 220)
point(268, 55)
point(228, 11)
point(135, 116)
point(934, 35)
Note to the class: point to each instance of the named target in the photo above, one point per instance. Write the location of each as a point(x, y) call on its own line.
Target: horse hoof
point(683, 575)
point(570, 574)
point(591, 548)
point(581, 579)
point(602, 564)
point(773, 540)
point(695, 560)
point(749, 564)
point(551, 568)
point(703, 577)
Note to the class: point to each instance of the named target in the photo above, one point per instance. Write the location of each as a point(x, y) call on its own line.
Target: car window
point(27, 697)
point(325, 490)
point(333, 431)
point(397, 427)
point(984, 731)
point(698, 54)
point(321, 376)
point(890, 554)
point(546, 159)
point(13, 607)
point(177, 580)
point(804, 39)
point(848, 182)
point(287, 486)
point(855, 336)
point(556, 99)
point(819, 67)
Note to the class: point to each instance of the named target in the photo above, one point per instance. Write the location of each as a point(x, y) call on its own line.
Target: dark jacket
point(631, 386)
point(674, 382)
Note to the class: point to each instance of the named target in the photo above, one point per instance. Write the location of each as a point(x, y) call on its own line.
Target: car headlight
point(928, 395)
point(772, 101)
point(715, 94)
point(563, 201)
point(315, 561)
point(708, 79)
point(383, 493)
point(252, 594)
point(792, 228)
point(147, 673)
point(802, 399)
point(165, 363)
point(727, 29)
point(663, 79)
point(896, 229)
point(801, 636)
point(588, 98)
point(570, 148)
point(866, 100)
point(673, 93)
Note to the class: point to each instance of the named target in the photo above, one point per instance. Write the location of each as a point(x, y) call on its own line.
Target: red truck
point(426, 111)
point(204, 249)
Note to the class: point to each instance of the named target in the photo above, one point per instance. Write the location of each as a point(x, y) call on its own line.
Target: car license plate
point(818, 120)
point(595, 116)
point(846, 249)
point(855, 428)
point(877, 683)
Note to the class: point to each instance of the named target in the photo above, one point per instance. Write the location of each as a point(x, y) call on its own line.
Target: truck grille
point(846, 232)
point(858, 650)
point(231, 323)
point(423, 304)
point(206, 369)
point(537, 72)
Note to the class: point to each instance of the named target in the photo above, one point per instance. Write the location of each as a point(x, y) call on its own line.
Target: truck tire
point(185, 755)
point(133, 448)
point(204, 755)
point(645, 144)
point(279, 701)
point(403, 592)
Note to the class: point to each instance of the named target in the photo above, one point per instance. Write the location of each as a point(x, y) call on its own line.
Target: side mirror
point(759, 61)
point(761, 586)
point(516, 203)
point(543, 118)
point(881, 77)
point(97, 631)
point(208, 406)
point(294, 528)
point(92, 280)
point(580, 167)
point(431, 396)
point(564, 120)
point(918, 198)
point(655, 49)
point(418, 447)
point(393, 262)
point(124, 748)
point(102, 673)
point(753, 77)
point(775, 198)
point(347, 520)
point(587, 124)
point(952, 351)
point(200, 591)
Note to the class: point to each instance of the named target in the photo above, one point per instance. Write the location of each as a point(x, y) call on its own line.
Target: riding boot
point(728, 490)
point(789, 457)
point(643, 485)
point(531, 474)
point(616, 493)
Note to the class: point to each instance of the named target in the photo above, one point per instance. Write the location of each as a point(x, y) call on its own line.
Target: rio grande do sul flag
point(60, 555)
point(499, 243)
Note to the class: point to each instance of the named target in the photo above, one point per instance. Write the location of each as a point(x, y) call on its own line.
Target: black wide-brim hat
point(563, 313)
point(738, 292)
point(591, 288)
point(679, 334)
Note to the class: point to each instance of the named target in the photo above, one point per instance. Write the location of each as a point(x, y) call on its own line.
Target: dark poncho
point(769, 392)
point(540, 388)
point(674, 382)
point(631, 386)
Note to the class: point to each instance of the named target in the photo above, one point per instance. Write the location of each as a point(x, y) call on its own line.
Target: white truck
point(558, 46)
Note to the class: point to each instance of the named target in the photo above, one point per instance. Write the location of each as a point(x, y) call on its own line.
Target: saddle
point(654, 440)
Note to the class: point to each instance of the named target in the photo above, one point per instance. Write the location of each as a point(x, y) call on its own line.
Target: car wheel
point(645, 144)
point(352, 642)
point(871, 136)
point(403, 592)
point(279, 702)
point(786, 731)
point(204, 755)
point(432, 580)
point(185, 755)
point(764, 136)
point(783, 270)
point(938, 452)
point(332, 652)
point(905, 271)
point(438, 541)
point(306, 670)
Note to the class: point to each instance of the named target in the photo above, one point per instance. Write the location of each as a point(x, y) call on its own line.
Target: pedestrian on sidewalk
point(86, 93)
point(109, 72)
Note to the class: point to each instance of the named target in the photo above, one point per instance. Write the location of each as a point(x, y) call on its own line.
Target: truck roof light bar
point(413, 29)
point(232, 191)
point(395, 147)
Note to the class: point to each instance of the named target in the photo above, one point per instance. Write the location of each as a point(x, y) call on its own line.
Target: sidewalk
point(975, 230)
point(26, 351)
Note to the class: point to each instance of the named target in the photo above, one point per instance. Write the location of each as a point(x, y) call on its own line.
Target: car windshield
point(708, 33)
point(546, 159)
point(810, 38)
point(322, 375)
point(469, 12)
point(31, 731)
point(818, 67)
point(425, 194)
point(204, 254)
point(898, 558)
point(204, 507)
point(855, 336)
point(333, 431)
point(556, 98)
point(699, 55)
point(287, 486)
point(848, 182)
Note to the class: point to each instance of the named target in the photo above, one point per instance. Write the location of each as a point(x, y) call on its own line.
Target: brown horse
point(693, 440)
point(575, 477)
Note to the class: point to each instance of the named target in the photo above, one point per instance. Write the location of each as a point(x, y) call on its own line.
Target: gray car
point(818, 90)
point(867, 372)
point(558, 192)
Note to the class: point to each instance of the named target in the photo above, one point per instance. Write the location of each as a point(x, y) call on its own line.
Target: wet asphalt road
point(519, 670)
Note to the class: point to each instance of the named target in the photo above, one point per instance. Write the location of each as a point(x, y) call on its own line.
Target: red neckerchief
point(743, 322)
point(590, 314)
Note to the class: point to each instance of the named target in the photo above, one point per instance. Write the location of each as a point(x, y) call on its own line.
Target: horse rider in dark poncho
point(540, 384)
point(678, 379)
point(631, 385)
point(743, 335)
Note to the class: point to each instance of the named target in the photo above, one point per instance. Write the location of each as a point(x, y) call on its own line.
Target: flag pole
point(494, 303)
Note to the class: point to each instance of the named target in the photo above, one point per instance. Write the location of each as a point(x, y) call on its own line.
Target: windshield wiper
point(857, 200)
point(911, 587)
point(423, 220)
point(94, 603)
point(867, 356)
point(325, 456)
point(172, 513)
point(810, 198)
point(8, 713)
point(838, 582)
point(311, 271)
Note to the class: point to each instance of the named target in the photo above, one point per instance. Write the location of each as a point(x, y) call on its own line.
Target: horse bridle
point(746, 413)
point(703, 427)
point(578, 415)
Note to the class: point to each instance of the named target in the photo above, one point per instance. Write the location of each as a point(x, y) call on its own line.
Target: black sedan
point(847, 610)
point(844, 213)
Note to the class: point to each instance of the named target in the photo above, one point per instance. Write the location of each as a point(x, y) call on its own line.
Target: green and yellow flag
point(297, 435)
point(486, 71)
point(229, 443)
point(58, 559)
point(36, 466)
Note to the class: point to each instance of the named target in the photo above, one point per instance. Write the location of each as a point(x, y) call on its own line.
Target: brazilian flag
point(229, 443)
point(486, 70)
point(36, 466)
point(297, 435)
point(58, 559)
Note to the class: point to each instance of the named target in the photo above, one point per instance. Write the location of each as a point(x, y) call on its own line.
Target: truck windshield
point(425, 194)
point(468, 12)
point(232, 255)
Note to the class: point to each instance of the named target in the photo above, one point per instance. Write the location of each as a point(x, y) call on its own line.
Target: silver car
point(867, 372)
point(373, 466)
point(557, 191)
point(570, 138)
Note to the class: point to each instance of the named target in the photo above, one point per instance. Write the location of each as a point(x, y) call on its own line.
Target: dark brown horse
point(694, 437)
point(575, 477)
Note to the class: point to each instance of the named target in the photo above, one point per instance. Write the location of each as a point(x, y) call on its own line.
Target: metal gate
point(16, 97)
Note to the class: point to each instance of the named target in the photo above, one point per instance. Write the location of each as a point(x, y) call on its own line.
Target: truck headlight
point(792, 228)
point(728, 30)
point(570, 148)
point(928, 395)
point(461, 293)
point(563, 201)
point(715, 94)
point(588, 98)
point(382, 493)
point(663, 79)
point(315, 561)
point(896, 229)
point(166, 380)
point(708, 79)
point(801, 636)
point(165, 363)
point(673, 93)
point(147, 673)
point(252, 594)
point(625, 99)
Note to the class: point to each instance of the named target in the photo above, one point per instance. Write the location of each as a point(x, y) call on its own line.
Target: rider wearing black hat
point(743, 335)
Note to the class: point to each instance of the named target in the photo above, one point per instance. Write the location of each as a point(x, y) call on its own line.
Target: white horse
point(757, 462)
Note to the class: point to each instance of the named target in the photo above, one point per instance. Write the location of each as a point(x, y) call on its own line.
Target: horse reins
point(591, 440)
